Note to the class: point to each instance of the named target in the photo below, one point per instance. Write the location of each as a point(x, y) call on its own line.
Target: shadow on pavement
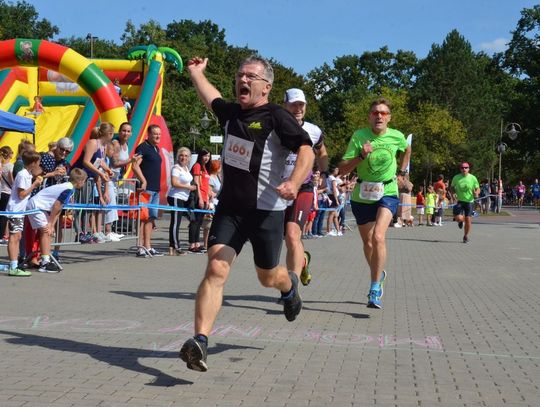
point(126, 358)
point(228, 298)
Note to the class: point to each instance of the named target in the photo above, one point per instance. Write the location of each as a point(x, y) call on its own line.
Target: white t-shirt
point(23, 180)
point(215, 184)
point(46, 198)
point(185, 177)
point(329, 181)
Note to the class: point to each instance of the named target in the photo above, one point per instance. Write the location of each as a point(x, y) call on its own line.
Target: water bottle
point(4, 267)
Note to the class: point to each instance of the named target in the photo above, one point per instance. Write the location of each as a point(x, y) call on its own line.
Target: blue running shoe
point(383, 279)
point(374, 299)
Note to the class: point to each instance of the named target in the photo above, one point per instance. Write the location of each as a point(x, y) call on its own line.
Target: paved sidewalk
point(460, 327)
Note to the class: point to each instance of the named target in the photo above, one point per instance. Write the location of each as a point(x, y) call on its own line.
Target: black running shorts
point(264, 229)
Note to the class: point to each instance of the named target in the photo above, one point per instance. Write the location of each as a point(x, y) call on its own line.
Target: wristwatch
point(402, 172)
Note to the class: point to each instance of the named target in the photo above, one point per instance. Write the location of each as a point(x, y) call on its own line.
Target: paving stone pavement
point(460, 327)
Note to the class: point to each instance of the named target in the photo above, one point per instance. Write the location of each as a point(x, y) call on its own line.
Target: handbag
point(193, 199)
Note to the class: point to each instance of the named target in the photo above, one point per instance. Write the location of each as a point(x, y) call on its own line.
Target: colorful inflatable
point(77, 93)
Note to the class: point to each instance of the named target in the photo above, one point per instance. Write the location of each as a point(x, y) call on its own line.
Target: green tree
point(20, 20)
point(468, 85)
point(522, 59)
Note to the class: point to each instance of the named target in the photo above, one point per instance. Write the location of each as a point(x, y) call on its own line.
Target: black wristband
point(402, 172)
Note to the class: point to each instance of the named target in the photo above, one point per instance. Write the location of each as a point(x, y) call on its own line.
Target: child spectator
point(441, 194)
point(50, 202)
point(431, 201)
point(22, 188)
point(38, 106)
point(6, 181)
point(420, 206)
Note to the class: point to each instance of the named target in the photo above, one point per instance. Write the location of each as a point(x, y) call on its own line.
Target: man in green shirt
point(372, 152)
point(466, 188)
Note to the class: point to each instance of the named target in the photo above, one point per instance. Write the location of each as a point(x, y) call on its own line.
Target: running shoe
point(49, 267)
point(19, 273)
point(374, 299)
point(155, 253)
point(194, 353)
point(293, 305)
point(142, 253)
point(465, 239)
point(382, 281)
point(305, 275)
point(460, 225)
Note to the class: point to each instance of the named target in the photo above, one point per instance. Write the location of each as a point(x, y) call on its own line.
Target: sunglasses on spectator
point(375, 113)
point(64, 150)
point(464, 168)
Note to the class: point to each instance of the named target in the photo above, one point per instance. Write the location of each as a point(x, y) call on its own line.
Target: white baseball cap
point(294, 95)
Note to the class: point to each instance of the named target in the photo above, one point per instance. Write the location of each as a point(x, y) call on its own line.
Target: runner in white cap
point(298, 210)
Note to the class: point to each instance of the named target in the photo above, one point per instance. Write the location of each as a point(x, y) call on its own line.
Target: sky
point(304, 34)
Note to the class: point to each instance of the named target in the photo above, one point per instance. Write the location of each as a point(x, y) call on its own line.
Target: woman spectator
point(121, 159)
point(181, 186)
point(322, 203)
point(6, 181)
point(214, 183)
point(92, 160)
point(200, 178)
point(55, 169)
point(54, 164)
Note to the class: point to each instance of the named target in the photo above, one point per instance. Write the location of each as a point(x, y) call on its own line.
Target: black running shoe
point(460, 225)
point(465, 239)
point(292, 306)
point(194, 353)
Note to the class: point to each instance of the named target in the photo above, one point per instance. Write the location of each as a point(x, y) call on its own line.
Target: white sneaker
point(112, 237)
point(340, 233)
point(99, 237)
point(332, 233)
point(397, 225)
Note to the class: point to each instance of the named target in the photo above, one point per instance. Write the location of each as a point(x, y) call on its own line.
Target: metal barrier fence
point(85, 216)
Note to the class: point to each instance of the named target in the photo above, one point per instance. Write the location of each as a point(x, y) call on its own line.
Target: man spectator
point(494, 191)
point(259, 136)
point(147, 169)
point(466, 188)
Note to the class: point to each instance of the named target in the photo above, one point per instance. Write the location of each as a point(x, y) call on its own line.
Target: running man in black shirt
point(258, 138)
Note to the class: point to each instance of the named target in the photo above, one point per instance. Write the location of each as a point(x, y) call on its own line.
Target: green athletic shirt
point(381, 164)
point(465, 185)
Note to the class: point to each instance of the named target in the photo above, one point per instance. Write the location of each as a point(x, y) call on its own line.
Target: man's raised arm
point(205, 90)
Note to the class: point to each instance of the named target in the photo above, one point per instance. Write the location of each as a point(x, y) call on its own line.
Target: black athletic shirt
point(257, 142)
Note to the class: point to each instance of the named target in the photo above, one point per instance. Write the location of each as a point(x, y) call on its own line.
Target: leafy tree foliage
point(453, 101)
point(471, 87)
point(522, 59)
point(21, 21)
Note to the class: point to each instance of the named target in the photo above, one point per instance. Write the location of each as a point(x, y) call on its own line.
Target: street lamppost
point(91, 38)
point(513, 133)
point(205, 121)
point(194, 132)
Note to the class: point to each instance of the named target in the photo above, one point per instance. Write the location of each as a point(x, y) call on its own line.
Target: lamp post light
point(513, 130)
point(194, 132)
point(205, 121)
point(91, 38)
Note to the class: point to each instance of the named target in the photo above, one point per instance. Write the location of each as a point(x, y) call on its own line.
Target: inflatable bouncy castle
point(78, 93)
